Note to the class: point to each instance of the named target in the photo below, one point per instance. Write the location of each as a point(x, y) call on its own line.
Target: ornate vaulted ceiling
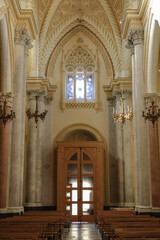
point(99, 19)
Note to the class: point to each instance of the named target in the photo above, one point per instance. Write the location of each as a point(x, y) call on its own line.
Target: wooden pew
point(38, 227)
point(120, 225)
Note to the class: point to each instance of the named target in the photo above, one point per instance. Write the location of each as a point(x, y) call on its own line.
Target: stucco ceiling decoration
point(112, 19)
point(109, 45)
point(99, 18)
point(108, 42)
point(117, 7)
point(43, 7)
point(95, 40)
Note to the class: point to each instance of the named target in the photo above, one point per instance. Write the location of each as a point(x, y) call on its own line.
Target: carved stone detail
point(22, 37)
point(111, 100)
point(152, 97)
point(80, 105)
point(36, 92)
point(136, 36)
point(101, 48)
point(79, 57)
point(8, 97)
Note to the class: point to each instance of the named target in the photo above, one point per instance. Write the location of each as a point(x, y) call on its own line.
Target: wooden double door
point(80, 179)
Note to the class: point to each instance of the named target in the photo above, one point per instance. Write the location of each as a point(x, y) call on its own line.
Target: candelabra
point(4, 116)
point(123, 115)
point(36, 114)
point(153, 113)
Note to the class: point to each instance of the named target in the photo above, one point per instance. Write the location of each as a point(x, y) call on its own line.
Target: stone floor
point(82, 231)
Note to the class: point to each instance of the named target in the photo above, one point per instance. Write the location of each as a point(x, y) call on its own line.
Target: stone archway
point(80, 132)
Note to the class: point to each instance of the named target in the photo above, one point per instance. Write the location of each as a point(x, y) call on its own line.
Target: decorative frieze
point(80, 105)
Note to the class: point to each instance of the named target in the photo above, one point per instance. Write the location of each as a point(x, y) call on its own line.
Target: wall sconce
point(36, 114)
point(153, 113)
point(123, 115)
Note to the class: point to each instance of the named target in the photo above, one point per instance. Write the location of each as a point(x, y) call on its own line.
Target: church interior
point(79, 108)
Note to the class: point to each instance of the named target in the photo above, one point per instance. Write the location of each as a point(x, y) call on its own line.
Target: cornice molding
point(41, 84)
point(22, 18)
point(134, 18)
point(119, 84)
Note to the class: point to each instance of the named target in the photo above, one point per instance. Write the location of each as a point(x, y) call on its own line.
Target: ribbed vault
point(95, 40)
point(63, 16)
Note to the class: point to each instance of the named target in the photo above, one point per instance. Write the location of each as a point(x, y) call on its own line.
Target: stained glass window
point(70, 87)
point(89, 87)
point(79, 86)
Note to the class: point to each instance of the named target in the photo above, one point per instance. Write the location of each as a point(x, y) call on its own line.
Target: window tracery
point(80, 79)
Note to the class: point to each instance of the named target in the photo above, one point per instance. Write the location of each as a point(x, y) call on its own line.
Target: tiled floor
point(82, 231)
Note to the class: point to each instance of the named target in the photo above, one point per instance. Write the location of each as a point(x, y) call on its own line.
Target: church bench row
point(117, 225)
point(39, 226)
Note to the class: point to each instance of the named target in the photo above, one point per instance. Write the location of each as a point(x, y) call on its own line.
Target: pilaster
point(4, 152)
point(135, 40)
point(154, 152)
point(22, 41)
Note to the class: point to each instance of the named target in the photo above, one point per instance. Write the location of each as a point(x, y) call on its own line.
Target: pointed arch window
point(80, 80)
point(80, 84)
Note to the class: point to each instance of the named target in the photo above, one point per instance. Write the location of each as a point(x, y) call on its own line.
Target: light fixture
point(36, 114)
point(4, 116)
point(153, 113)
point(123, 115)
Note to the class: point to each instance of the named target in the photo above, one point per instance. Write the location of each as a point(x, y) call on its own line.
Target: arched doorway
point(80, 179)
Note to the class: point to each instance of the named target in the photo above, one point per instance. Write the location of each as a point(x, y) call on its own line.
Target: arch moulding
point(60, 136)
point(107, 60)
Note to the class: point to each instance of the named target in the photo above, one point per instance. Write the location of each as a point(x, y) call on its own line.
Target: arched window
point(80, 81)
point(80, 84)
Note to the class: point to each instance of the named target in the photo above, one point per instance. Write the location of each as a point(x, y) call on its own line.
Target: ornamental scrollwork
point(79, 57)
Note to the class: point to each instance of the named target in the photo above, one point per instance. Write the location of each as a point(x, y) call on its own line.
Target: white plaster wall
point(96, 119)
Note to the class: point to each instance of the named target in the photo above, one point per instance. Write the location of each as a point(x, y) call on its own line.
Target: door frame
point(61, 195)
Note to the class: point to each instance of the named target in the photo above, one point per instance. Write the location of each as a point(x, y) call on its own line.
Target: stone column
point(49, 171)
point(112, 147)
point(128, 152)
point(4, 152)
point(30, 198)
point(154, 153)
point(34, 152)
point(119, 144)
point(21, 38)
point(28, 46)
point(135, 40)
point(39, 149)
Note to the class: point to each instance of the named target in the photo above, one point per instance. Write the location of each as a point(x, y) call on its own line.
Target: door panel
point(81, 177)
point(78, 168)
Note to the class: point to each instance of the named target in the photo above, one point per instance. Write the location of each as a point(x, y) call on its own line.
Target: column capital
point(136, 36)
point(111, 101)
point(48, 99)
point(126, 93)
point(28, 45)
point(8, 97)
point(152, 97)
point(32, 93)
point(118, 95)
point(22, 37)
point(36, 92)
